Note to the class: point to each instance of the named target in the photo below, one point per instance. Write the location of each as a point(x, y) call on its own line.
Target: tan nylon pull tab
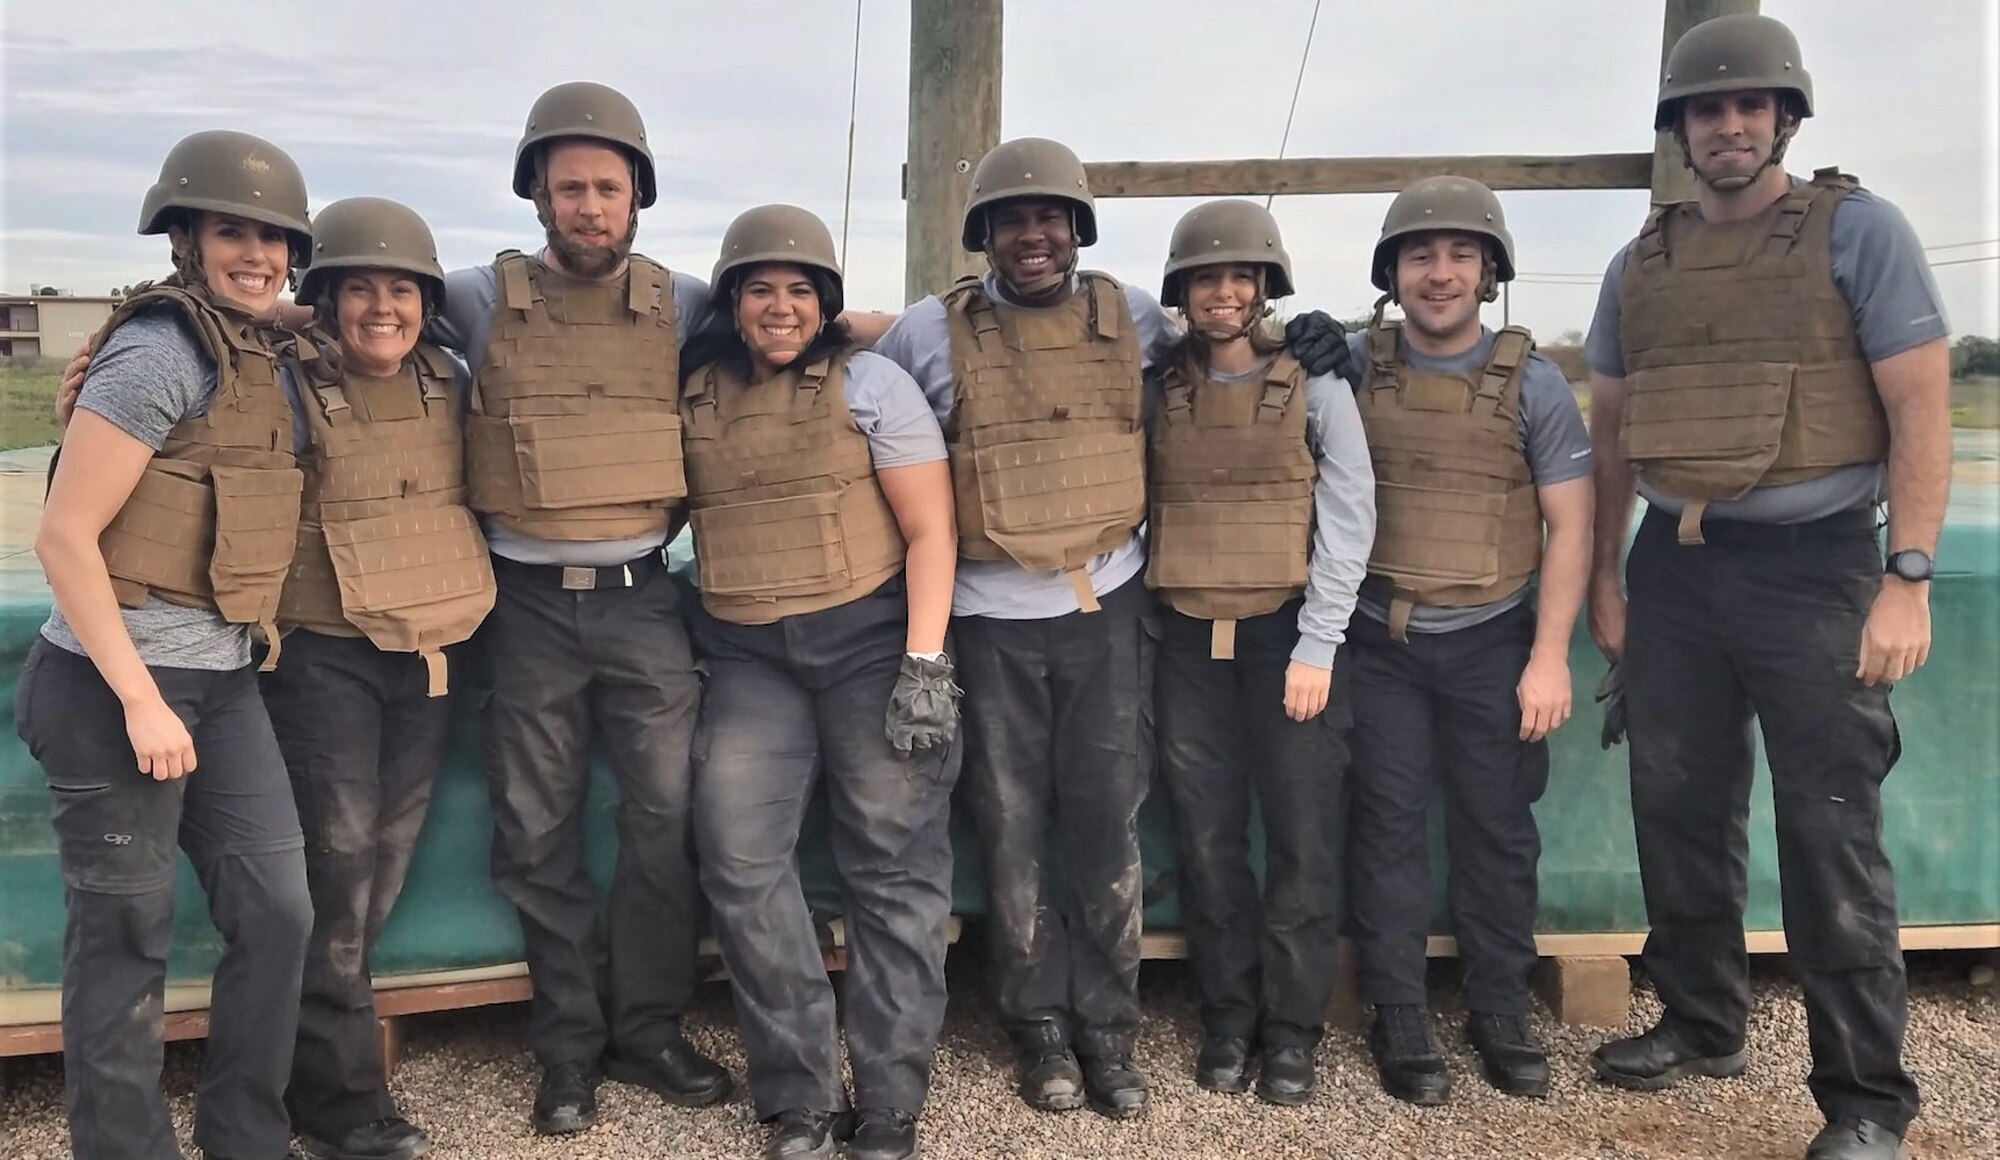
point(277, 643)
point(1086, 596)
point(1400, 608)
point(434, 669)
point(1690, 529)
point(1222, 640)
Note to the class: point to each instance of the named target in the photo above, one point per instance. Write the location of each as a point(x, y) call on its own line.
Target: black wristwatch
point(1911, 564)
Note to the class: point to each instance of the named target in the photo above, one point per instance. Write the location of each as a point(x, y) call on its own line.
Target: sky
point(747, 103)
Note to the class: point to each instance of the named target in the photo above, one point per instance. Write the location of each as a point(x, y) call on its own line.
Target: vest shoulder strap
point(1105, 318)
point(1282, 380)
point(1383, 340)
point(1651, 246)
point(649, 289)
point(517, 284)
point(1504, 366)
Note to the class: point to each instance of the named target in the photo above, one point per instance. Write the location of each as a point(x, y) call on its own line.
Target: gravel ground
point(466, 1078)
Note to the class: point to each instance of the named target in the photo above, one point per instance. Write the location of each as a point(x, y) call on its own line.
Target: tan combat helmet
point(585, 109)
point(1227, 231)
point(1028, 167)
point(779, 233)
point(234, 173)
point(1442, 203)
point(371, 233)
point(1730, 54)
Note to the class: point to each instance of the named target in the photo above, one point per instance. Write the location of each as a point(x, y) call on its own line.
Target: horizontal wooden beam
point(1257, 176)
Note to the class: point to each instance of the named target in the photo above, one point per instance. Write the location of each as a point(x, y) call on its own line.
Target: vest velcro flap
point(1719, 425)
point(256, 532)
point(771, 547)
point(1230, 546)
point(1427, 538)
point(604, 457)
point(1033, 496)
point(410, 577)
point(164, 535)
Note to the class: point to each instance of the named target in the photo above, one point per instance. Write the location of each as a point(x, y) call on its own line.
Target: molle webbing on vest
point(1047, 451)
point(387, 548)
point(1743, 367)
point(213, 520)
point(1232, 496)
point(574, 433)
point(1458, 521)
point(788, 516)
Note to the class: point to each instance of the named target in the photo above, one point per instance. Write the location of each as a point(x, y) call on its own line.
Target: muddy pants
point(1765, 622)
point(1264, 959)
point(117, 831)
point(782, 700)
point(1442, 707)
point(563, 667)
point(363, 745)
point(1054, 783)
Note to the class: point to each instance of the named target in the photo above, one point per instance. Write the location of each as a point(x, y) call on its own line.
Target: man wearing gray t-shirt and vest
point(1803, 316)
point(1479, 453)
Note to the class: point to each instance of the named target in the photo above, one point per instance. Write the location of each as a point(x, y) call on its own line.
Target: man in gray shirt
point(1805, 311)
point(1480, 453)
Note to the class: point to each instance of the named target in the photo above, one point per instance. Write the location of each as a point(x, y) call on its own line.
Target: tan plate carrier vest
point(1742, 364)
point(574, 433)
point(387, 548)
point(1048, 457)
point(788, 517)
point(1457, 518)
point(1232, 497)
point(215, 515)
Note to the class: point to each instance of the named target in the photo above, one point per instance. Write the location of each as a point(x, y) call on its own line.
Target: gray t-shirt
point(1553, 441)
point(470, 296)
point(920, 343)
point(890, 409)
point(1879, 267)
point(150, 374)
point(1343, 510)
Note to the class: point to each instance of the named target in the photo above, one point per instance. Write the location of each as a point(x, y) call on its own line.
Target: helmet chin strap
point(1059, 288)
point(1788, 124)
point(1253, 315)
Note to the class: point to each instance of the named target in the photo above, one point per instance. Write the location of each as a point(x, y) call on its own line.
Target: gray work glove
point(1611, 695)
point(1317, 340)
point(923, 709)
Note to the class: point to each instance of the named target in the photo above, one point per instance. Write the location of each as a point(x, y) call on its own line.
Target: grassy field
point(27, 404)
point(1975, 402)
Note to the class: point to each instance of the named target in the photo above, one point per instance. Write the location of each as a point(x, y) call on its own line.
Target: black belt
point(1858, 522)
point(630, 574)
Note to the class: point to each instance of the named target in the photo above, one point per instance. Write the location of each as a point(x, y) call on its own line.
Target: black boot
point(803, 1134)
point(883, 1134)
point(1661, 1058)
point(566, 1101)
point(1289, 1077)
point(1407, 1055)
point(1508, 1053)
point(1223, 1065)
point(391, 1138)
point(1113, 1087)
point(1051, 1081)
point(1850, 1138)
point(677, 1073)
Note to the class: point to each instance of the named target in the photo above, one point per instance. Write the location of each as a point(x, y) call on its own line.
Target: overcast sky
point(747, 103)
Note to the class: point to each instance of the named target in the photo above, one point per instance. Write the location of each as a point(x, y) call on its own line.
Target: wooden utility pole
point(1671, 179)
point(954, 120)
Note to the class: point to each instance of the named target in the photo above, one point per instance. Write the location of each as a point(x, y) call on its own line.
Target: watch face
point(1911, 565)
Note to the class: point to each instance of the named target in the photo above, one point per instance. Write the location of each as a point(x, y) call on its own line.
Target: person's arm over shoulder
point(919, 341)
point(1158, 330)
point(890, 409)
point(693, 302)
point(1879, 265)
point(149, 375)
point(1553, 438)
point(469, 296)
point(1604, 348)
point(1343, 518)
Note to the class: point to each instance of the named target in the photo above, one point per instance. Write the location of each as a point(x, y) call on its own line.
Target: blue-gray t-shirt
point(1879, 267)
point(470, 296)
point(1552, 439)
point(150, 374)
point(920, 342)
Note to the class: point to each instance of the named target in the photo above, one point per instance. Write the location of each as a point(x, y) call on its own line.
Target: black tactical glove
point(923, 709)
point(1317, 340)
point(1611, 695)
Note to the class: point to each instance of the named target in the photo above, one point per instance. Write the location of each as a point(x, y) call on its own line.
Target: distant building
point(49, 326)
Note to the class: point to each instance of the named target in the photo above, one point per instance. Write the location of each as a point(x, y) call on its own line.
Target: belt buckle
point(579, 579)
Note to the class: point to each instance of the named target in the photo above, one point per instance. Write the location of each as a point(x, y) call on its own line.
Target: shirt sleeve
point(919, 342)
point(1553, 438)
point(1604, 349)
point(469, 295)
point(1158, 330)
point(148, 376)
point(693, 303)
point(1343, 518)
point(890, 409)
point(1879, 265)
